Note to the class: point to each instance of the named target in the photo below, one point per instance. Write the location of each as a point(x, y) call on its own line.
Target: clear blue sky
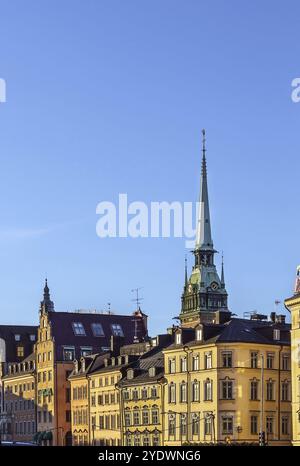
point(108, 97)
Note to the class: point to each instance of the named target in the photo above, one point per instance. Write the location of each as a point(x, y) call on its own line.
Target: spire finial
point(185, 271)
point(203, 153)
point(203, 141)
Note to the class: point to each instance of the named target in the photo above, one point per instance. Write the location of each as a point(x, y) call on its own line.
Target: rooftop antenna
point(137, 299)
point(277, 302)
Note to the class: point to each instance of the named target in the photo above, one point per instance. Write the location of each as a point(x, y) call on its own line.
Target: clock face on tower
point(214, 286)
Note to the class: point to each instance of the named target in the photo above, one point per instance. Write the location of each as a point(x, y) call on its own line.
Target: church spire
point(204, 293)
point(203, 233)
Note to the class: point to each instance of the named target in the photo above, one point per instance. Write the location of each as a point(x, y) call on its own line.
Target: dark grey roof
point(62, 330)
point(239, 330)
point(8, 332)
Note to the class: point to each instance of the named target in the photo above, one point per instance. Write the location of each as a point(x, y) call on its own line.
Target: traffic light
point(262, 438)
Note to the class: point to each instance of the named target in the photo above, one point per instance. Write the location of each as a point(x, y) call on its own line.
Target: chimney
point(75, 366)
point(273, 316)
point(116, 342)
point(280, 319)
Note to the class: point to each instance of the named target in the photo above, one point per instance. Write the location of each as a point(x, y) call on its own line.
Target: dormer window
point(32, 337)
point(117, 330)
point(178, 338)
point(199, 334)
point(68, 353)
point(130, 374)
point(86, 350)
point(17, 337)
point(78, 329)
point(152, 372)
point(97, 330)
point(276, 334)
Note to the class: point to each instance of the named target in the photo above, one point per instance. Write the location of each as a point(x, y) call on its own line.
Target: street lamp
point(188, 351)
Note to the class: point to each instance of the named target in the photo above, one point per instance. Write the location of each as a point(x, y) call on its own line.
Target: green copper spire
point(203, 234)
point(204, 294)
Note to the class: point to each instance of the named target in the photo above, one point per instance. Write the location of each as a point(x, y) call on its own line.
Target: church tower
point(204, 294)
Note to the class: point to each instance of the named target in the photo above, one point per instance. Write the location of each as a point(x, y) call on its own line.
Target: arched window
point(195, 391)
point(183, 392)
point(208, 390)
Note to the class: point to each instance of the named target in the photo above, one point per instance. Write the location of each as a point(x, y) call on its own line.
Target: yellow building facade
point(293, 305)
point(213, 387)
point(141, 406)
point(104, 400)
point(80, 404)
point(19, 406)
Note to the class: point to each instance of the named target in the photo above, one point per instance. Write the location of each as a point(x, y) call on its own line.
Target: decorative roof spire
point(185, 272)
point(47, 304)
point(46, 290)
point(203, 234)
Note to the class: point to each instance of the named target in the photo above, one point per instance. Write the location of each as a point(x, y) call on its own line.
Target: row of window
point(143, 416)
point(20, 405)
point(45, 376)
point(80, 440)
point(80, 417)
point(105, 399)
point(226, 391)
point(145, 439)
point(195, 363)
point(226, 425)
point(44, 416)
point(270, 425)
point(25, 427)
point(270, 360)
point(107, 422)
point(80, 393)
point(226, 362)
point(20, 388)
point(97, 329)
point(140, 394)
point(195, 391)
point(18, 337)
point(105, 381)
point(270, 390)
point(182, 427)
point(45, 357)
point(105, 442)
